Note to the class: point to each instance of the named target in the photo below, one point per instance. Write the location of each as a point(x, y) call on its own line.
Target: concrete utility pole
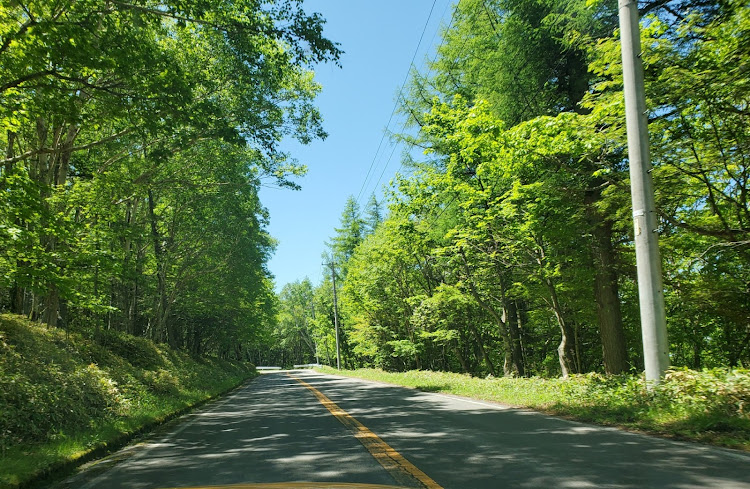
point(312, 311)
point(335, 314)
point(648, 260)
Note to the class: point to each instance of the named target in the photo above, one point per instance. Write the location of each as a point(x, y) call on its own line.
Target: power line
point(431, 224)
point(395, 105)
point(400, 97)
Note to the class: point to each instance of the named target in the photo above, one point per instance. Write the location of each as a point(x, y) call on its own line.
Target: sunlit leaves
point(136, 135)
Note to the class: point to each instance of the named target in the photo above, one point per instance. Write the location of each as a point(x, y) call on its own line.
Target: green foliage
point(526, 59)
point(296, 333)
point(718, 392)
point(708, 405)
point(699, 150)
point(132, 160)
point(161, 381)
point(139, 352)
point(63, 395)
point(383, 275)
point(349, 235)
point(509, 247)
point(374, 214)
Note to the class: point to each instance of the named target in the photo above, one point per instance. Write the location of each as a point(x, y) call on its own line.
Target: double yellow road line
point(403, 471)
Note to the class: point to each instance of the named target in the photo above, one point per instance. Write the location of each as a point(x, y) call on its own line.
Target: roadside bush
point(40, 400)
point(140, 352)
point(718, 391)
point(52, 384)
point(161, 381)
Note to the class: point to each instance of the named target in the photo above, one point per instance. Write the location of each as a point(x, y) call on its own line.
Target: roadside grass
point(709, 406)
point(66, 398)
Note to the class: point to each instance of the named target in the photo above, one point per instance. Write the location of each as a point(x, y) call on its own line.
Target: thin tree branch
point(29, 154)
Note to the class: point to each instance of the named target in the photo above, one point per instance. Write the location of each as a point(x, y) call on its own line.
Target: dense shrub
point(720, 392)
point(140, 352)
point(52, 383)
point(161, 381)
point(43, 392)
point(717, 391)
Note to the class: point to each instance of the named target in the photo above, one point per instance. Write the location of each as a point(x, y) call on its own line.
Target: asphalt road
point(323, 429)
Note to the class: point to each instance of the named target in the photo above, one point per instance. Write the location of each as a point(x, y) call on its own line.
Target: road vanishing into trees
point(302, 426)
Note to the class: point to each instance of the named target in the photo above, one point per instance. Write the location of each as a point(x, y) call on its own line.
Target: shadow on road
point(275, 430)
point(464, 444)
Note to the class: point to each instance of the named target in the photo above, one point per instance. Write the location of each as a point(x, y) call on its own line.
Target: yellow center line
point(400, 469)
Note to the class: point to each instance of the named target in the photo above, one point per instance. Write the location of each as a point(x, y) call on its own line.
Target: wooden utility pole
point(335, 314)
point(648, 260)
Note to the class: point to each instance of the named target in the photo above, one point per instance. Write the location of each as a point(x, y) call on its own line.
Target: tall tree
point(374, 214)
point(529, 59)
point(134, 138)
point(295, 322)
point(349, 235)
point(693, 56)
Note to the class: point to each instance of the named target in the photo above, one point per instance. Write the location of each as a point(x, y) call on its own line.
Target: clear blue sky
point(379, 39)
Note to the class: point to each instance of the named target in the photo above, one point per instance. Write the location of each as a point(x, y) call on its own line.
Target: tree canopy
point(508, 249)
point(134, 138)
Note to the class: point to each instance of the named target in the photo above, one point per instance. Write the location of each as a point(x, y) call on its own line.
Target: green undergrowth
point(709, 406)
point(65, 397)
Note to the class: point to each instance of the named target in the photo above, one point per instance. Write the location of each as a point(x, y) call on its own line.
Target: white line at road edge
point(737, 455)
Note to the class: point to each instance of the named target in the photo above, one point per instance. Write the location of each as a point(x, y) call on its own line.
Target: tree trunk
point(134, 312)
point(18, 294)
point(697, 353)
point(606, 293)
point(565, 351)
point(482, 349)
point(461, 359)
point(9, 153)
point(160, 319)
point(484, 305)
point(52, 173)
point(515, 338)
point(513, 365)
point(521, 317)
point(51, 306)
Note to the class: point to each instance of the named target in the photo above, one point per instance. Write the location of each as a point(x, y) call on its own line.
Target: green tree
point(693, 56)
point(295, 321)
point(529, 59)
point(348, 236)
point(385, 272)
point(374, 214)
point(134, 138)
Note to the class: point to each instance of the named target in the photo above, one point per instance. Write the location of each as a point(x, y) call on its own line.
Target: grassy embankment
point(66, 398)
point(710, 406)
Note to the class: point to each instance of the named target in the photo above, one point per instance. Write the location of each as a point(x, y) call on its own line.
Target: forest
point(136, 134)
point(506, 247)
point(134, 137)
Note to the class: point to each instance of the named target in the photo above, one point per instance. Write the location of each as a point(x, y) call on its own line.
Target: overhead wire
point(529, 110)
point(431, 224)
point(493, 24)
point(395, 105)
point(400, 96)
point(491, 17)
